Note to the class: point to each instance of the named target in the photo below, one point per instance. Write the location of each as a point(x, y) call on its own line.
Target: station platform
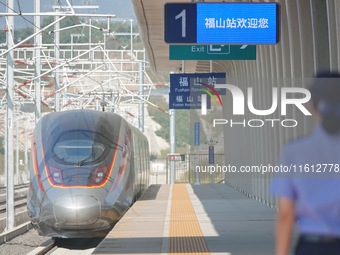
point(193, 219)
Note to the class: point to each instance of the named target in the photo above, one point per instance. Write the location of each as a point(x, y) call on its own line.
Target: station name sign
point(221, 23)
point(186, 89)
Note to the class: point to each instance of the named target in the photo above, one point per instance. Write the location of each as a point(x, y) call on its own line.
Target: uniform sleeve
point(283, 183)
point(283, 187)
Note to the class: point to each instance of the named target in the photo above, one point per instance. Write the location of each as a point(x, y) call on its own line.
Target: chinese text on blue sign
point(222, 23)
point(186, 89)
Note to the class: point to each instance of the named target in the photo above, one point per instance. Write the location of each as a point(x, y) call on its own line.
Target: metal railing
point(196, 169)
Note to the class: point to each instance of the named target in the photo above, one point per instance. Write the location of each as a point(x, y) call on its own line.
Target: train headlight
point(100, 175)
point(56, 175)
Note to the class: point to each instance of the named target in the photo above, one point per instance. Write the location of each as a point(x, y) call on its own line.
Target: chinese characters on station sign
point(234, 23)
point(186, 89)
point(222, 23)
point(187, 101)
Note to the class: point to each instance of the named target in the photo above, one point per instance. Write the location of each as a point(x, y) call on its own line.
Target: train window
point(78, 150)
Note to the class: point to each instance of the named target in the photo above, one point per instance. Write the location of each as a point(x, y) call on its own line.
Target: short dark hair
point(326, 87)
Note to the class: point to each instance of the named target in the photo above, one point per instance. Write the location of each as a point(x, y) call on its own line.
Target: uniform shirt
point(316, 195)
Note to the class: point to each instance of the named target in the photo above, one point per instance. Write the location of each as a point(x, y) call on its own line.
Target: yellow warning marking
point(185, 232)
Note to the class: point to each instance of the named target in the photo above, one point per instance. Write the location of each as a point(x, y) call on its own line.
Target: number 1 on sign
point(182, 15)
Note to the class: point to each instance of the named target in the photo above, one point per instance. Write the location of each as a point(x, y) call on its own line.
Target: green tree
point(183, 119)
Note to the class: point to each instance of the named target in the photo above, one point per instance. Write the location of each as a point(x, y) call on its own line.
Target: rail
point(46, 249)
point(20, 201)
point(16, 187)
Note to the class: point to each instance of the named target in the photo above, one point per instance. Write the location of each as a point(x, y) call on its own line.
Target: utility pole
point(17, 149)
point(57, 57)
point(172, 136)
point(9, 126)
point(172, 145)
point(141, 94)
point(131, 38)
point(37, 62)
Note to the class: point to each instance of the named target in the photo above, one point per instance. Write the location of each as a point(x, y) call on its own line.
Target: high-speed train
point(87, 169)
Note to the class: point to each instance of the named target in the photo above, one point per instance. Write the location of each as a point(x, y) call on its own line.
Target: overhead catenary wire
point(30, 62)
point(30, 22)
point(43, 30)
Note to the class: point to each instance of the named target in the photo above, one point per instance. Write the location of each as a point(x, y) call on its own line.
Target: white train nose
point(76, 210)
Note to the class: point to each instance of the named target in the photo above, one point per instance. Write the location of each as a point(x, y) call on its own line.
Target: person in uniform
point(310, 193)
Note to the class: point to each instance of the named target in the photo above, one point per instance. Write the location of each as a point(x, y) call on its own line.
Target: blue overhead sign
point(187, 101)
point(186, 89)
point(222, 23)
point(192, 82)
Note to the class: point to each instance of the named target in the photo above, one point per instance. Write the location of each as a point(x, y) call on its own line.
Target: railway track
point(20, 201)
point(20, 198)
point(45, 248)
point(20, 205)
point(50, 246)
point(74, 246)
point(17, 188)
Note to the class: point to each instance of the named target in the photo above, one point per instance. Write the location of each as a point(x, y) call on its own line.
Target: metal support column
point(9, 123)
point(37, 58)
point(91, 54)
point(25, 153)
point(173, 135)
point(17, 151)
point(172, 145)
point(131, 38)
point(57, 58)
point(141, 94)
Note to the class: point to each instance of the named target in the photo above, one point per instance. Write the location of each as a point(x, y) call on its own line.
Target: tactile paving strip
point(186, 236)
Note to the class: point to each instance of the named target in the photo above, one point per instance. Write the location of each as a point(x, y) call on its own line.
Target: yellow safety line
point(185, 232)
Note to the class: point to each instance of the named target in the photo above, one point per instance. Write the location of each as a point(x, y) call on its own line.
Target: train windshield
point(79, 147)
